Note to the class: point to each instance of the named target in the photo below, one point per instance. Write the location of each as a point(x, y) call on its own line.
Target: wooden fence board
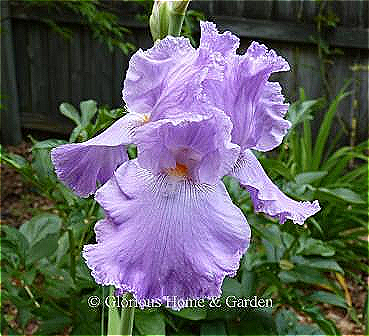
point(292, 32)
point(119, 65)
point(86, 64)
point(59, 72)
point(11, 133)
point(22, 65)
point(50, 70)
point(76, 77)
point(38, 61)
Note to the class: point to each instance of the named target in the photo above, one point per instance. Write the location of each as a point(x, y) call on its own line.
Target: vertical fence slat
point(119, 65)
point(22, 66)
point(84, 69)
point(38, 50)
point(87, 60)
point(59, 73)
point(11, 125)
point(362, 98)
point(76, 79)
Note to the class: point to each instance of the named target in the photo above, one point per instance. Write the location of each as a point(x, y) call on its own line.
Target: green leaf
point(277, 166)
point(305, 274)
point(311, 246)
point(41, 161)
point(132, 151)
point(64, 194)
point(231, 287)
point(16, 240)
point(325, 129)
point(88, 111)
point(75, 133)
point(150, 323)
point(24, 316)
point(63, 246)
point(343, 194)
point(320, 263)
point(213, 328)
point(189, 313)
point(326, 297)
point(325, 324)
point(309, 177)
point(114, 325)
point(287, 324)
point(70, 112)
point(39, 227)
point(252, 323)
point(248, 283)
point(300, 111)
point(43, 248)
point(53, 326)
point(14, 160)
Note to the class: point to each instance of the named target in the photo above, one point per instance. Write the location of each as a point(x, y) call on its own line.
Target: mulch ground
point(20, 201)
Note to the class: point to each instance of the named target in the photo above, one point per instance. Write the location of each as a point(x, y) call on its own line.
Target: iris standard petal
point(225, 43)
point(265, 194)
point(255, 105)
point(149, 70)
point(270, 112)
point(81, 165)
point(166, 237)
point(166, 80)
point(197, 147)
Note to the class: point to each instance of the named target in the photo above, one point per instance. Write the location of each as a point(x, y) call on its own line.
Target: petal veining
point(81, 165)
point(166, 237)
point(199, 145)
point(265, 194)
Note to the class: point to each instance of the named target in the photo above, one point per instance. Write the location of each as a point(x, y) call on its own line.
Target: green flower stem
point(127, 316)
point(103, 313)
point(120, 324)
point(72, 246)
point(175, 24)
point(176, 16)
point(167, 18)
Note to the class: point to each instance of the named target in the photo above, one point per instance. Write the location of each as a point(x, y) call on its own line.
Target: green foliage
point(43, 272)
point(190, 24)
point(89, 120)
point(299, 268)
point(104, 25)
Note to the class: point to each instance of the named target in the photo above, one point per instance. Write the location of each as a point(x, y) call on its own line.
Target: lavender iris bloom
point(195, 114)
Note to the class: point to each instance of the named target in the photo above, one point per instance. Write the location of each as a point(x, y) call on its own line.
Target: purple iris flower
point(171, 228)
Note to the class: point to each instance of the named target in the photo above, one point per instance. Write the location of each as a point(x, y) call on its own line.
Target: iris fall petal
point(81, 165)
point(166, 237)
point(265, 194)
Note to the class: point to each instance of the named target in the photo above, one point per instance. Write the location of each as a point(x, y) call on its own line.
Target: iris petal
point(81, 165)
point(166, 80)
point(225, 43)
point(270, 124)
point(265, 194)
point(255, 105)
point(149, 71)
point(166, 237)
point(199, 143)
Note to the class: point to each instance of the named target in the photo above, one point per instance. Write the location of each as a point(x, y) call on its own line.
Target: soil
point(20, 201)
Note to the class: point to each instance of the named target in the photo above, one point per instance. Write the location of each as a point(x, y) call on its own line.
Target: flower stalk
point(176, 17)
point(120, 324)
point(127, 316)
point(167, 18)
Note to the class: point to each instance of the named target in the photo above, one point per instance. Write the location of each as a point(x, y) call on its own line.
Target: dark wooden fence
point(40, 69)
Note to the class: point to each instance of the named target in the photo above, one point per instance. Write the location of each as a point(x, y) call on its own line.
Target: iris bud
point(167, 18)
